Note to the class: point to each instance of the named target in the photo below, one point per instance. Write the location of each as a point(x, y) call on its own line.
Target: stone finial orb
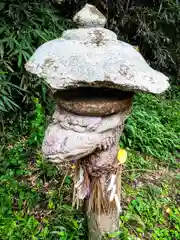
point(89, 16)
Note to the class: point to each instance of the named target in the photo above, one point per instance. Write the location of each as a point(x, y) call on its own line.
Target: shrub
point(24, 26)
point(153, 127)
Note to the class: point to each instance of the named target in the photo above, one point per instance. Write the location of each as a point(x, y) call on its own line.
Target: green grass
point(32, 205)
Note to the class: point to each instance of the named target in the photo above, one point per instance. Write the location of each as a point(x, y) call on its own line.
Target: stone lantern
point(93, 77)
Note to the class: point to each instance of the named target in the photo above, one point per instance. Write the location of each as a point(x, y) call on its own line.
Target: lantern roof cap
point(92, 56)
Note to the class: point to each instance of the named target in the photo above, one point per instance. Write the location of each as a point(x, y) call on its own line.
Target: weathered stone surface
point(98, 36)
point(71, 137)
point(90, 16)
point(94, 101)
point(70, 63)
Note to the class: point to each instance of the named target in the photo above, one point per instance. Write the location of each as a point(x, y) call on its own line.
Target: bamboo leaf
point(20, 59)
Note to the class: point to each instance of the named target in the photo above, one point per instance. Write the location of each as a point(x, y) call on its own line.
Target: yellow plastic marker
point(122, 156)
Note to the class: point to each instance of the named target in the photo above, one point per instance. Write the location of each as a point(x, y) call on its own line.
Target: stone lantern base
point(91, 143)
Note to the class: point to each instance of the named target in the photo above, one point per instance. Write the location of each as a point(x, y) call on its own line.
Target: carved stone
point(89, 16)
point(94, 101)
point(72, 137)
point(93, 56)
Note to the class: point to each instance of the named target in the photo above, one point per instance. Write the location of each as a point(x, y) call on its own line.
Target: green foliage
point(159, 32)
point(6, 95)
point(31, 206)
point(24, 26)
point(155, 28)
point(150, 189)
point(151, 214)
point(153, 127)
point(37, 125)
